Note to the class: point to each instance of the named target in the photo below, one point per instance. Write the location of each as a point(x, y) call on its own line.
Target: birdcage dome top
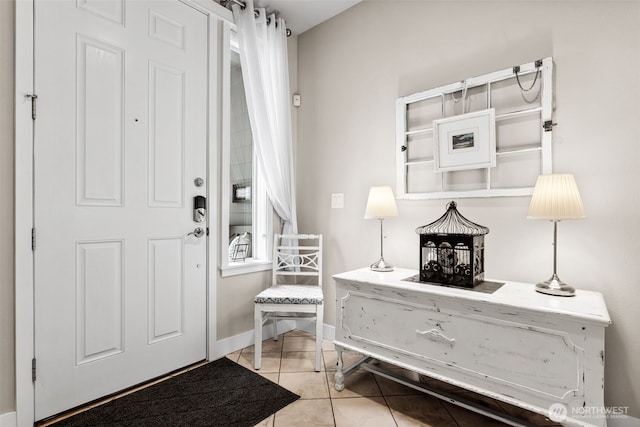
point(452, 222)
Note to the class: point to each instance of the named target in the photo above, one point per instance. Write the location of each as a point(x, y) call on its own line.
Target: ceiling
point(302, 15)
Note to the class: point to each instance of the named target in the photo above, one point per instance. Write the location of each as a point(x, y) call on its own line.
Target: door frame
point(24, 192)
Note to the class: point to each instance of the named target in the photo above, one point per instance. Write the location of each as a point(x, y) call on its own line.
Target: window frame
point(484, 186)
point(262, 211)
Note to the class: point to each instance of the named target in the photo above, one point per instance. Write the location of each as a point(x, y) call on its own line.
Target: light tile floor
point(367, 400)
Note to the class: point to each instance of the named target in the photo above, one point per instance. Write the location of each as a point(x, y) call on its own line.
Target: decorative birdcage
point(452, 250)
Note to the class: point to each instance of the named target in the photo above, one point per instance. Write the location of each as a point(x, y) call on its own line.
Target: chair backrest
point(297, 259)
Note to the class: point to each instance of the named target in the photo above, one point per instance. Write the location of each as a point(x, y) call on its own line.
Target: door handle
point(197, 233)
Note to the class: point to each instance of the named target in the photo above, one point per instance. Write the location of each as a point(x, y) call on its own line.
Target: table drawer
point(509, 353)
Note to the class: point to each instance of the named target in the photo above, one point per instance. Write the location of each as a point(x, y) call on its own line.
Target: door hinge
point(33, 369)
point(33, 105)
point(33, 239)
point(548, 125)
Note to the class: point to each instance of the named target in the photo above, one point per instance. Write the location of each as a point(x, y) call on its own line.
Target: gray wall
point(352, 68)
point(7, 341)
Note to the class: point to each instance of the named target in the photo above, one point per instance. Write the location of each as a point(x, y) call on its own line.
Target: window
point(247, 215)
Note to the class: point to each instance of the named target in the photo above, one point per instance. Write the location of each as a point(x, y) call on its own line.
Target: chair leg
point(257, 363)
point(275, 329)
point(319, 326)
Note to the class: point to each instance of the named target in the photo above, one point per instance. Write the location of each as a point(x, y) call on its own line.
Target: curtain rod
point(243, 5)
point(225, 3)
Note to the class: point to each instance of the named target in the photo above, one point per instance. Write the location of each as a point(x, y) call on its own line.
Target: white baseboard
point(8, 419)
point(328, 331)
point(245, 339)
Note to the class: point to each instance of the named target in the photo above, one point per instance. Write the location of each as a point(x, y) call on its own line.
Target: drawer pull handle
point(436, 336)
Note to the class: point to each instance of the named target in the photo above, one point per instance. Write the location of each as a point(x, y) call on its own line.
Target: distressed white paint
point(515, 345)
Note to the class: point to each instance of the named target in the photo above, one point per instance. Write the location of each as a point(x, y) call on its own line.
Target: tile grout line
point(455, 420)
point(326, 377)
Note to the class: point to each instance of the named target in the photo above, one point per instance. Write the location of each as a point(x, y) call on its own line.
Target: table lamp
point(555, 197)
point(381, 204)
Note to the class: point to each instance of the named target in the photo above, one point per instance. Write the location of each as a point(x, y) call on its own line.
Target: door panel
point(100, 128)
point(166, 289)
point(99, 290)
point(166, 139)
point(120, 289)
point(109, 9)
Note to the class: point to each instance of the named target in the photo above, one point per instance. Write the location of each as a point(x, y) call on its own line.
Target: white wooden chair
point(296, 288)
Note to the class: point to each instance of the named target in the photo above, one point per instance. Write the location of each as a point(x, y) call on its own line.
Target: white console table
point(514, 344)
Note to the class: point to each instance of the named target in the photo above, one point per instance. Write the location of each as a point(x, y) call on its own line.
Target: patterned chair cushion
point(290, 294)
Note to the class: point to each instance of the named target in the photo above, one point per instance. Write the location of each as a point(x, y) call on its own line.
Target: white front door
point(120, 142)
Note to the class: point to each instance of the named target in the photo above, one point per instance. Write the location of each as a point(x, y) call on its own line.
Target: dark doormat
point(220, 393)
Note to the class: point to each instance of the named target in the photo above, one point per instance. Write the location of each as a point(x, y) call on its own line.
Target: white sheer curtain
point(263, 56)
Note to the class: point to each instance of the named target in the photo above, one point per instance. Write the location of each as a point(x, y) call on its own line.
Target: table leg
point(339, 372)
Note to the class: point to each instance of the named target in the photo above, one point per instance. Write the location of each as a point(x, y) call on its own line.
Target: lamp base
point(555, 286)
point(381, 265)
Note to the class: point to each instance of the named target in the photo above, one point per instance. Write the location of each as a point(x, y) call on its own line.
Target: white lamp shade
point(556, 197)
point(381, 203)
